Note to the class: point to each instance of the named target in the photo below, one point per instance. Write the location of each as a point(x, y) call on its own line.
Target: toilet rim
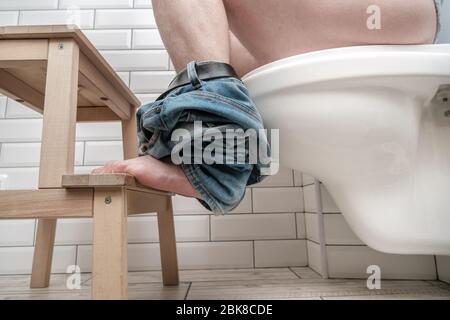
point(351, 62)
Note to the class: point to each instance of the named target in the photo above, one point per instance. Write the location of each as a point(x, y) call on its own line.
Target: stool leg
point(129, 136)
point(58, 143)
point(109, 263)
point(43, 253)
point(167, 244)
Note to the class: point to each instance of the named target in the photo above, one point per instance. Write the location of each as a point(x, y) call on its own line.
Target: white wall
point(343, 254)
point(266, 230)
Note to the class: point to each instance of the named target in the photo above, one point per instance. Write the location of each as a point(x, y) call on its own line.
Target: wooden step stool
point(56, 71)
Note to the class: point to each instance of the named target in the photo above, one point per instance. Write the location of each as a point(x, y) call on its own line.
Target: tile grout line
point(209, 221)
point(254, 253)
point(76, 256)
point(187, 291)
point(84, 152)
point(296, 227)
point(436, 267)
point(297, 275)
point(251, 202)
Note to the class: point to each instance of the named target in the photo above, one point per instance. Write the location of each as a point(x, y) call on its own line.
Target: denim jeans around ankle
point(223, 104)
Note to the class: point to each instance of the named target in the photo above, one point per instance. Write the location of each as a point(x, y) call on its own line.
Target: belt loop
point(192, 75)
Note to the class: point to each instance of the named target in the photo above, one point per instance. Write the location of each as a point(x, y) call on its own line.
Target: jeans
point(223, 104)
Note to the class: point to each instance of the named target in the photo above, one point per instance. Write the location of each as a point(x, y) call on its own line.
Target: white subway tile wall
point(2, 106)
point(8, 18)
point(82, 18)
point(443, 268)
point(110, 39)
point(347, 256)
point(64, 4)
point(352, 262)
point(276, 225)
point(266, 229)
point(28, 5)
point(16, 110)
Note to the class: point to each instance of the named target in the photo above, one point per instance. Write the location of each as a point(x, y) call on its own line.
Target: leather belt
point(206, 70)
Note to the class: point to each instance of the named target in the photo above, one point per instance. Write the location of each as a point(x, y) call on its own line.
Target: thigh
point(240, 57)
point(275, 29)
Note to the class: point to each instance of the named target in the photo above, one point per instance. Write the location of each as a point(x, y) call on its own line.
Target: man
point(250, 33)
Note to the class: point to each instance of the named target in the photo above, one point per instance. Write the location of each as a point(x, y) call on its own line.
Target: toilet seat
point(373, 124)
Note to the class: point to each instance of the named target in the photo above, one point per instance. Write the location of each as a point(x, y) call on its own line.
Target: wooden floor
point(267, 283)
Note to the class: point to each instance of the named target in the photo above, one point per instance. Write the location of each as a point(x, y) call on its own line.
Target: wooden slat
point(45, 203)
point(101, 86)
point(86, 114)
point(60, 111)
point(109, 265)
point(35, 76)
point(97, 180)
point(108, 180)
point(105, 68)
point(70, 31)
point(58, 143)
point(143, 202)
point(22, 64)
point(43, 253)
point(19, 90)
point(167, 244)
point(23, 50)
point(129, 136)
point(89, 94)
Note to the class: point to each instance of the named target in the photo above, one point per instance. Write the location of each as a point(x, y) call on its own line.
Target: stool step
point(107, 180)
point(46, 203)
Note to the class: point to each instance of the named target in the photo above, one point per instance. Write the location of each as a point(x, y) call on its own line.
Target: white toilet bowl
point(373, 124)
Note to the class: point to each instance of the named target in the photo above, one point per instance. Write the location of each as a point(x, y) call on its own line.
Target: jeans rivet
point(108, 200)
point(157, 109)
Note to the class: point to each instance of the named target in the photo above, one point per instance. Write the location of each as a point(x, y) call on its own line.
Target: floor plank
point(306, 288)
point(261, 283)
point(218, 275)
point(306, 273)
point(21, 283)
point(145, 291)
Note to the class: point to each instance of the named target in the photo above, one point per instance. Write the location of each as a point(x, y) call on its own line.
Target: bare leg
point(205, 37)
point(272, 30)
point(240, 58)
point(193, 30)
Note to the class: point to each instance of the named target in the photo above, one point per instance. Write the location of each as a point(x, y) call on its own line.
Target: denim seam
point(213, 96)
point(206, 196)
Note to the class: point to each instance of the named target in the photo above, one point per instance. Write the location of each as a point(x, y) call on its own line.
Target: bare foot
point(152, 173)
